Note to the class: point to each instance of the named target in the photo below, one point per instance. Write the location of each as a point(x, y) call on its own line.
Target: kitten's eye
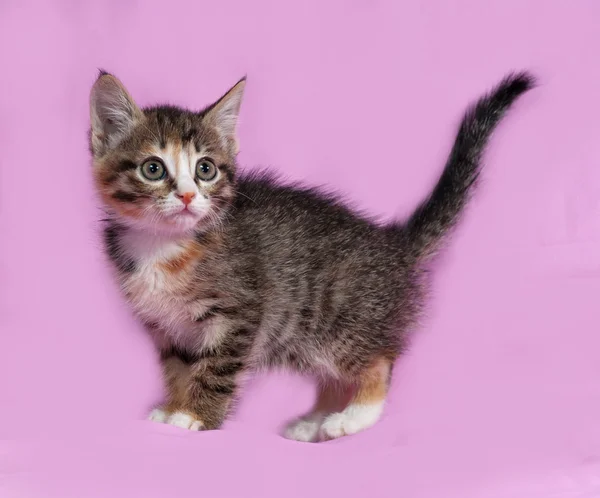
point(206, 170)
point(153, 170)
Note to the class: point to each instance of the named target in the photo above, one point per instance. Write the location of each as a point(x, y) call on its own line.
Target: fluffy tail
point(440, 212)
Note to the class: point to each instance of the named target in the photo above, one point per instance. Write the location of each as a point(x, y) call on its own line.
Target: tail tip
point(519, 82)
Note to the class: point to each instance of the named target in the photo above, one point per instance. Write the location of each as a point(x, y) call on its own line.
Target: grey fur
point(297, 280)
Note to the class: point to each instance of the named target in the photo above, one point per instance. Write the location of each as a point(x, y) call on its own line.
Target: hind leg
point(366, 405)
point(331, 398)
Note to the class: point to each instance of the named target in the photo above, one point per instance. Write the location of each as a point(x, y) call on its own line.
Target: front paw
point(185, 420)
point(158, 415)
point(181, 419)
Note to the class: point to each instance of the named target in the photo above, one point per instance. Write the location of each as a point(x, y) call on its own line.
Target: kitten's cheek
point(201, 210)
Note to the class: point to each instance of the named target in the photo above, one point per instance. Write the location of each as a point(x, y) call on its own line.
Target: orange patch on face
point(104, 179)
point(123, 209)
point(192, 252)
point(176, 149)
point(373, 384)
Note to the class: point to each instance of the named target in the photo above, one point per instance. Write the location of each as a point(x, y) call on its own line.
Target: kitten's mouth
point(184, 216)
point(185, 212)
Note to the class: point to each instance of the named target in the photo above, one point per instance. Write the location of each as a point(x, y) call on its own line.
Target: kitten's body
point(274, 276)
point(290, 275)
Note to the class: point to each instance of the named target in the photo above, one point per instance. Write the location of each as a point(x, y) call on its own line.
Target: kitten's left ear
point(223, 114)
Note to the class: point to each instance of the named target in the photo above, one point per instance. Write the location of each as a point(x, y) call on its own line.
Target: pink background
point(500, 393)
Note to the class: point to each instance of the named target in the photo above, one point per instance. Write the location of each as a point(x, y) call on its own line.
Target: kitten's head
point(163, 169)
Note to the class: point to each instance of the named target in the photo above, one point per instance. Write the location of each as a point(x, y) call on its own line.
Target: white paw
point(353, 419)
point(185, 421)
point(304, 429)
point(158, 415)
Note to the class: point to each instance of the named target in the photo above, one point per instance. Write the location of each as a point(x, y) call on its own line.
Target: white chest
point(157, 296)
point(162, 292)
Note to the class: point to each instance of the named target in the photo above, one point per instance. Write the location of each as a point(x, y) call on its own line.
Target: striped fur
point(254, 274)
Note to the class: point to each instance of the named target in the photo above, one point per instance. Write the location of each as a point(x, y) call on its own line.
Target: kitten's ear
point(223, 114)
point(113, 113)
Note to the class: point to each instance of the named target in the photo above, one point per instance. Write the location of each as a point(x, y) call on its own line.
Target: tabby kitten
point(232, 273)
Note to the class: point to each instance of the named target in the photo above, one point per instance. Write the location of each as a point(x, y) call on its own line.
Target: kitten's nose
point(187, 197)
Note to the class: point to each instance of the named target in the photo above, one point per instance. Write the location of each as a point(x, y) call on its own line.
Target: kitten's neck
point(144, 245)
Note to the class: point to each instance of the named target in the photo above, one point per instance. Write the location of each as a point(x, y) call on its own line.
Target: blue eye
point(206, 170)
point(153, 170)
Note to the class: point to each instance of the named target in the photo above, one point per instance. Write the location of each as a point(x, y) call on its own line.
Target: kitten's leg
point(202, 387)
point(366, 405)
point(212, 385)
point(331, 397)
point(176, 373)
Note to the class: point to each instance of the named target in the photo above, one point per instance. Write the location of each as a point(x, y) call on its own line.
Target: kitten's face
point(163, 169)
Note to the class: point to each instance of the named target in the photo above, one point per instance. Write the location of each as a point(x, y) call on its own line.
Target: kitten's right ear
point(113, 113)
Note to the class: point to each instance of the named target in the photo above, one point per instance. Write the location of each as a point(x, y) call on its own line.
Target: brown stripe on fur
point(176, 374)
point(193, 251)
point(331, 398)
point(373, 384)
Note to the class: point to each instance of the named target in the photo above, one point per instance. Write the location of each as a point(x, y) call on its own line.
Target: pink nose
point(187, 197)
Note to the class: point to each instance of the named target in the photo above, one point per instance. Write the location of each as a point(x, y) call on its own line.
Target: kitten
point(234, 273)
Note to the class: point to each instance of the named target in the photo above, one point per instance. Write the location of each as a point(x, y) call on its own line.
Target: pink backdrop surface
point(500, 393)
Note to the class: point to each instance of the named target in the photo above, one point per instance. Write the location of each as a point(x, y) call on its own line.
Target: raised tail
point(439, 213)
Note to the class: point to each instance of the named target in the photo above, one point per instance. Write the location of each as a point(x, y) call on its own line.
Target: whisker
point(244, 195)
